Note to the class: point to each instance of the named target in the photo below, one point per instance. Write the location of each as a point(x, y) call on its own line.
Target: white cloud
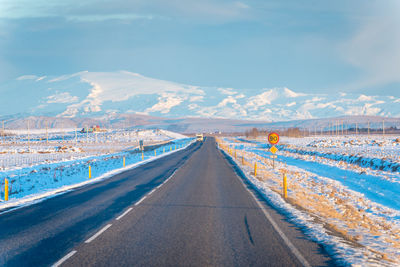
point(227, 91)
point(103, 17)
point(291, 104)
point(41, 78)
point(166, 102)
point(317, 99)
point(241, 5)
point(196, 98)
point(67, 77)
point(122, 85)
point(289, 93)
point(255, 102)
point(365, 98)
point(92, 11)
point(226, 101)
point(62, 98)
point(27, 77)
point(374, 48)
point(366, 109)
point(193, 106)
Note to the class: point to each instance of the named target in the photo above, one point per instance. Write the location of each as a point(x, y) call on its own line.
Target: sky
point(308, 46)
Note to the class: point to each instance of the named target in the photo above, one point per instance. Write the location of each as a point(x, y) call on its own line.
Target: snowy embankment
point(30, 182)
point(353, 211)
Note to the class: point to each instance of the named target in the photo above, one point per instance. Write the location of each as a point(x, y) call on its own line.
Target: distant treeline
point(290, 132)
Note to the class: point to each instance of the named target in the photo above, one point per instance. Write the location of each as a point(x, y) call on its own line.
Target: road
point(187, 209)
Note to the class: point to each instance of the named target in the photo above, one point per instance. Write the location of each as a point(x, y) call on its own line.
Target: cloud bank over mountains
point(106, 93)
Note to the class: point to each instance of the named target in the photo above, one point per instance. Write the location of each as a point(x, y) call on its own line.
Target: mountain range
point(108, 95)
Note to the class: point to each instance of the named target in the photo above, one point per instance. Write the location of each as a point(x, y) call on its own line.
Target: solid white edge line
point(143, 198)
point(292, 248)
point(123, 214)
point(152, 191)
point(98, 233)
point(66, 257)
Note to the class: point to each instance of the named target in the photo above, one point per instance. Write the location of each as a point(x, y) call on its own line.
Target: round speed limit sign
point(273, 138)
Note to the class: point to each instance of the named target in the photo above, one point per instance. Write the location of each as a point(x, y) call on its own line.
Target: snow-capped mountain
point(97, 94)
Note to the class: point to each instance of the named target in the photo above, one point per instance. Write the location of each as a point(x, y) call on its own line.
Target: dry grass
point(323, 201)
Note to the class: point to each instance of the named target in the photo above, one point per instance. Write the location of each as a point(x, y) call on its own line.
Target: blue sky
point(308, 46)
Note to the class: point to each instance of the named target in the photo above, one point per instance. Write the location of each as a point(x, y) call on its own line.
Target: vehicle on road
point(199, 137)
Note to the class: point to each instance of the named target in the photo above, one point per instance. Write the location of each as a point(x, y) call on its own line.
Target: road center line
point(285, 239)
point(123, 214)
point(66, 257)
point(98, 233)
point(143, 198)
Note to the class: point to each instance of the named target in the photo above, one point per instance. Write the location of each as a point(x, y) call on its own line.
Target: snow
point(95, 93)
point(43, 170)
point(350, 206)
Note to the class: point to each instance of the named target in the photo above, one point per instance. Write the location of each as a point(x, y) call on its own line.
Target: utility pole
point(28, 136)
point(342, 127)
point(47, 133)
point(3, 135)
point(337, 128)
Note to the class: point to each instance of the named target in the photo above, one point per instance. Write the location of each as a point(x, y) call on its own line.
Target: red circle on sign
point(273, 138)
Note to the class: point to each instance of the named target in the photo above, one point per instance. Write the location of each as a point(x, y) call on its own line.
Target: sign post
point(273, 139)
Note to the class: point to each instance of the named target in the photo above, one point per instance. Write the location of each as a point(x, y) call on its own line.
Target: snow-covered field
point(20, 150)
point(42, 168)
point(343, 190)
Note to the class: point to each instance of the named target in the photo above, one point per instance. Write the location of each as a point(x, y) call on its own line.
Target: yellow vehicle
point(199, 137)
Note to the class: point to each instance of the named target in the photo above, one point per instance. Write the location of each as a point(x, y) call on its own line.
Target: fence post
point(6, 190)
point(284, 186)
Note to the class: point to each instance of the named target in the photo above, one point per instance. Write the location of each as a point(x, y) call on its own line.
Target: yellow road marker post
point(284, 186)
point(124, 162)
point(142, 156)
point(90, 171)
point(155, 153)
point(255, 169)
point(6, 190)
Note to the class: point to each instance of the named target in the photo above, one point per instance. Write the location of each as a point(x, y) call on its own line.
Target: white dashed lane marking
point(66, 257)
point(143, 198)
point(123, 214)
point(98, 233)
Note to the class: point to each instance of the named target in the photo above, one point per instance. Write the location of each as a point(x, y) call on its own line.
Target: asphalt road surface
point(187, 209)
